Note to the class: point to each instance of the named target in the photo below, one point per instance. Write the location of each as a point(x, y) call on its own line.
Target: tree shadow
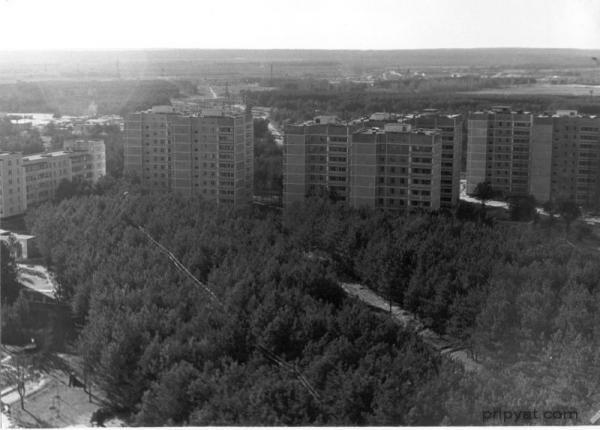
point(39, 421)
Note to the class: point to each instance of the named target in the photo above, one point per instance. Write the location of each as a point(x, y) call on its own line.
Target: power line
point(279, 361)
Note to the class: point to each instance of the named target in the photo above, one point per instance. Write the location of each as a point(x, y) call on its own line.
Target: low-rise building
point(43, 174)
point(33, 179)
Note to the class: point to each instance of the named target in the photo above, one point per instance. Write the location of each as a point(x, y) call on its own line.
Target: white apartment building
point(32, 179)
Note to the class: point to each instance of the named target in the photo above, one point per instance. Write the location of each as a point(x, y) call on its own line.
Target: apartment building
point(316, 159)
point(43, 174)
point(84, 159)
point(208, 154)
point(33, 179)
point(565, 158)
point(451, 131)
point(88, 158)
point(548, 156)
point(13, 199)
point(396, 167)
point(498, 146)
point(393, 167)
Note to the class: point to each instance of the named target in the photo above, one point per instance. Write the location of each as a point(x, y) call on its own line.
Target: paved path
point(446, 345)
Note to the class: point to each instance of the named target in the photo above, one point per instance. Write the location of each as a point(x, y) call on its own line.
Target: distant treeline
point(302, 104)
point(76, 97)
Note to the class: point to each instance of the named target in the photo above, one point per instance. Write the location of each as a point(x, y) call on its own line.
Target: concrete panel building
point(209, 154)
point(541, 159)
point(13, 198)
point(548, 156)
point(498, 145)
point(394, 167)
point(316, 160)
point(451, 131)
point(33, 179)
point(88, 159)
point(565, 158)
point(43, 174)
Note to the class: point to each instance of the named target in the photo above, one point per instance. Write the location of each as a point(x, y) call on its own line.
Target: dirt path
point(446, 345)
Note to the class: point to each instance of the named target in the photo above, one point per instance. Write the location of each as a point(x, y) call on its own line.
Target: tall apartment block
point(13, 199)
point(33, 179)
point(498, 146)
point(316, 159)
point(209, 154)
point(451, 131)
point(393, 167)
point(548, 156)
point(565, 158)
point(396, 168)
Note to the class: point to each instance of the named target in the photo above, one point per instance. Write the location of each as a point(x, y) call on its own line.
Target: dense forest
point(13, 139)
point(267, 336)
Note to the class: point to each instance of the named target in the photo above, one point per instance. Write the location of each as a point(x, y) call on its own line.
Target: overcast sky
point(327, 24)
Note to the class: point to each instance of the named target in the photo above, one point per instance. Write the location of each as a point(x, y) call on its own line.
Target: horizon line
point(106, 49)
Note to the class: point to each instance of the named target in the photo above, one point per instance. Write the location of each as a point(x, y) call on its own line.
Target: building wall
point(43, 174)
point(450, 127)
point(133, 137)
point(551, 157)
point(363, 169)
point(207, 155)
point(88, 159)
point(390, 169)
point(576, 159)
point(477, 127)
point(294, 165)
point(541, 159)
point(13, 198)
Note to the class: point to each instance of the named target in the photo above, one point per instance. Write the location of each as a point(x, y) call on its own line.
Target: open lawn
point(51, 403)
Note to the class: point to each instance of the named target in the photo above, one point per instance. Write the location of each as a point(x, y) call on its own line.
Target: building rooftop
point(45, 155)
point(18, 236)
point(226, 111)
point(398, 128)
point(561, 113)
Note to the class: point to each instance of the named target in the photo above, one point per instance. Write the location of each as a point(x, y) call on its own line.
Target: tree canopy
point(167, 354)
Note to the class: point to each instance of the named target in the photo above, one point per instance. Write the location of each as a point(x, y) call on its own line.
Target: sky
point(297, 24)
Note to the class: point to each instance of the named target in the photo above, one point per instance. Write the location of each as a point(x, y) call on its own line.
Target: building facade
point(33, 179)
point(316, 160)
point(13, 198)
point(88, 159)
point(565, 158)
point(209, 154)
point(43, 174)
point(451, 131)
point(394, 167)
point(498, 146)
point(551, 157)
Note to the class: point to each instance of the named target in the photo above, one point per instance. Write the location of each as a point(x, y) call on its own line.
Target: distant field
point(543, 89)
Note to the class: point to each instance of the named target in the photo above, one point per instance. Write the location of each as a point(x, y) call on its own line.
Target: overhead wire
point(270, 355)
